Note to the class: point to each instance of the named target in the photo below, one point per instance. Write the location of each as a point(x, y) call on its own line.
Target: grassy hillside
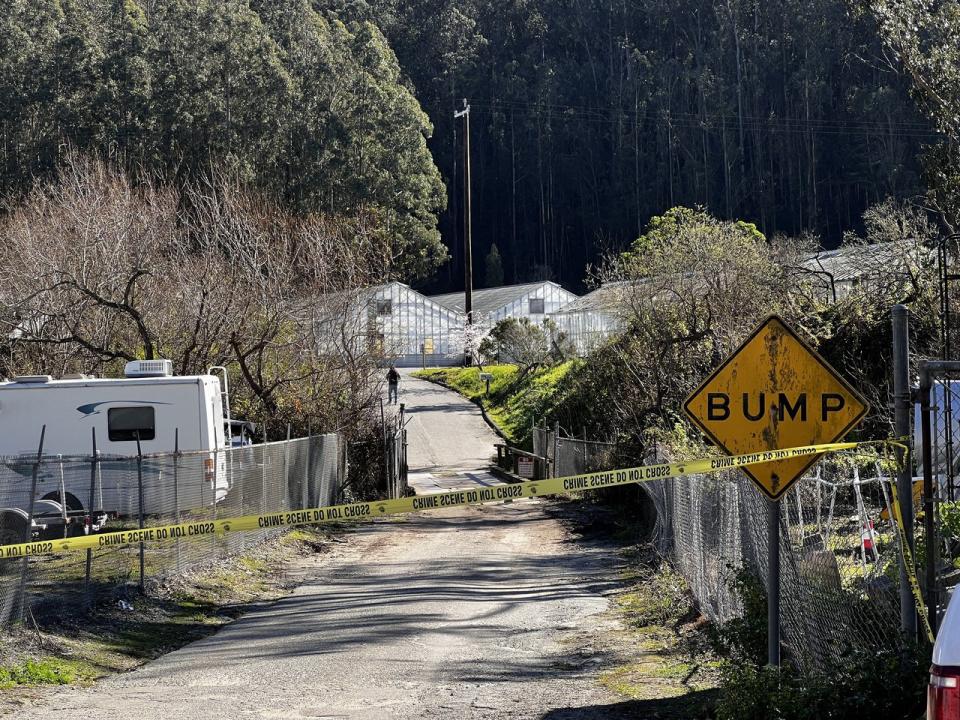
point(515, 400)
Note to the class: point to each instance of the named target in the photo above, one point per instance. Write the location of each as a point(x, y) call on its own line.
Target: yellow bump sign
point(775, 391)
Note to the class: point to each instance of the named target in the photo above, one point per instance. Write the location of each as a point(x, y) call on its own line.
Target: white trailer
point(150, 405)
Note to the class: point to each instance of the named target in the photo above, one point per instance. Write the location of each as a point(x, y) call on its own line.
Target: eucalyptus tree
point(294, 101)
point(923, 37)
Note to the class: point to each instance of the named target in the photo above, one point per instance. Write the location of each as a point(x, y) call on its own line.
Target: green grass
point(656, 599)
point(296, 535)
point(515, 399)
point(669, 665)
point(467, 382)
point(47, 671)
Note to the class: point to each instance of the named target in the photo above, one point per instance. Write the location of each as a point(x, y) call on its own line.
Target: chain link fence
point(839, 580)
point(543, 445)
point(569, 455)
point(106, 494)
point(939, 545)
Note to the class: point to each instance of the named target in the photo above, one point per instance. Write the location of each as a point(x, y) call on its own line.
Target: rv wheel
point(14, 526)
point(73, 503)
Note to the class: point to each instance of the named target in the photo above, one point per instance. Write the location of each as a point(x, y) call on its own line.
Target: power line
point(601, 111)
point(786, 125)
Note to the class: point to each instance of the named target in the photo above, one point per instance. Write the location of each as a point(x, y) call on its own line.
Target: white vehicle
point(943, 692)
point(164, 412)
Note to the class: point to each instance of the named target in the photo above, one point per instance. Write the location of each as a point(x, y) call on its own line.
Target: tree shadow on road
point(485, 594)
point(692, 706)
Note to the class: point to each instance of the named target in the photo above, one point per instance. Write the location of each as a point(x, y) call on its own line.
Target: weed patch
point(47, 671)
point(671, 659)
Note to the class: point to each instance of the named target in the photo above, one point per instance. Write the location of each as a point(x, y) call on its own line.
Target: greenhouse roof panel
point(488, 300)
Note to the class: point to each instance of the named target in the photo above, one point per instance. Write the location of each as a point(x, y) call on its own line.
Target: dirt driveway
point(473, 613)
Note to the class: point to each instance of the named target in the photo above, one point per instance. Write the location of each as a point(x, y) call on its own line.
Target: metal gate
point(395, 455)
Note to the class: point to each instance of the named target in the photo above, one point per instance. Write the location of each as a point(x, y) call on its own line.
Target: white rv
point(150, 405)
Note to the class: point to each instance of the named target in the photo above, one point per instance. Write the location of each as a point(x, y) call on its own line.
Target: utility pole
point(467, 217)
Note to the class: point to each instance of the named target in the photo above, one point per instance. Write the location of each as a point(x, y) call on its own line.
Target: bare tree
point(98, 269)
point(78, 261)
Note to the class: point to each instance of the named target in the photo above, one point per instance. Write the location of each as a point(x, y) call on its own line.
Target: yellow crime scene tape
point(450, 499)
point(907, 557)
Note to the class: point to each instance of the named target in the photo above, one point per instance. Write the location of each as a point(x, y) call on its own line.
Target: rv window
point(124, 423)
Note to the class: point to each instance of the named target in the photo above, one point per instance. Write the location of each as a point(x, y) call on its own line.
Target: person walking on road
point(393, 382)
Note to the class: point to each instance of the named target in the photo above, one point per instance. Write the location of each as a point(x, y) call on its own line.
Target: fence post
point(401, 439)
point(63, 497)
point(140, 505)
point(929, 526)
point(176, 486)
point(556, 448)
point(902, 405)
point(286, 471)
point(94, 459)
point(585, 465)
point(404, 466)
point(388, 455)
point(305, 492)
point(773, 583)
point(345, 476)
point(213, 490)
point(263, 477)
point(33, 492)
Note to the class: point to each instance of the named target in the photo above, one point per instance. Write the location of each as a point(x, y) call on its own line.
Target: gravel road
point(487, 613)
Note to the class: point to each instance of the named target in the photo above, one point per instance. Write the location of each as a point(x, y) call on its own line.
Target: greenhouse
point(535, 301)
point(590, 320)
point(406, 327)
point(831, 275)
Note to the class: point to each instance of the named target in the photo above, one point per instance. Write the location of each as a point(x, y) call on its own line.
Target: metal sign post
point(900, 320)
point(773, 583)
point(774, 392)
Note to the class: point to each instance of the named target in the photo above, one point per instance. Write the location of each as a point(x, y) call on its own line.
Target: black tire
point(14, 527)
point(73, 502)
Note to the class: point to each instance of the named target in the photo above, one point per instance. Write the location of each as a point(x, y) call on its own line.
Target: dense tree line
point(588, 116)
point(287, 98)
point(591, 116)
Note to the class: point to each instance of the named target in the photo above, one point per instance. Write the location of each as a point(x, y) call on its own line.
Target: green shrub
point(862, 682)
point(950, 519)
point(748, 692)
point(744, 639)
point(877, 684)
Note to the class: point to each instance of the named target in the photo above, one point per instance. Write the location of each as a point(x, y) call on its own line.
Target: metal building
point(828, 276)
point(535, 301)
